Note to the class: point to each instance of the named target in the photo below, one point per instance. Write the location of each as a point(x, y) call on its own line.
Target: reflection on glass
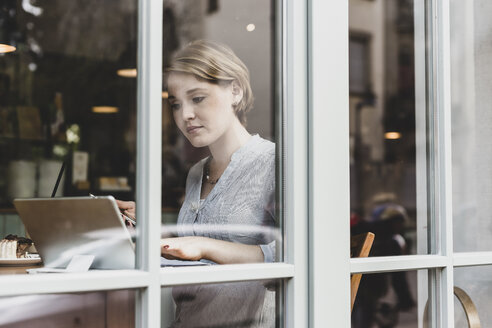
point(394, 299)
point(218, 133)
point(475, 282)
point(382, 124)
point(53, 90)
point(242, 304)
point(470, 104)
point(98, 309)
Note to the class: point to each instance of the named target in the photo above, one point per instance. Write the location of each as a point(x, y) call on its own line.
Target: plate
point(19, 262)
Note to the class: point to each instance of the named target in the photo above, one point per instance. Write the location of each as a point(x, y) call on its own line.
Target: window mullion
point(296, 149)
point(443, 117)
point(398, 263)
point(329, 196)
point(225, 273)
point(149, 148)
point(94, 280)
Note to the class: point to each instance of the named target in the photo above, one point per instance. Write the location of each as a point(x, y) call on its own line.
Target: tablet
point(63, 227)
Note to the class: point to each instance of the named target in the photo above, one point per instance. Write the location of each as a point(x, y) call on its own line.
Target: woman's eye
point(197, 100)
point(175, 106)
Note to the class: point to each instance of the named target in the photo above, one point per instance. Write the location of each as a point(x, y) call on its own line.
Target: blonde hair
point(215, 63)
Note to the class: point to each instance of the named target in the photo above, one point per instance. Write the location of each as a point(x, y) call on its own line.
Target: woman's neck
point(233, 139)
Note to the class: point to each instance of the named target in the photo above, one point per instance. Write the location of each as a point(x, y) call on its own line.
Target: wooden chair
point(360, 246)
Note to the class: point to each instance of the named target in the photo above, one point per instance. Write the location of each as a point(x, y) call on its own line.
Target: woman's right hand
point(127, 208)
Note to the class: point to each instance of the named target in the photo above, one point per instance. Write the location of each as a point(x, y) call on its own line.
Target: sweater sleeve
point(268, 252)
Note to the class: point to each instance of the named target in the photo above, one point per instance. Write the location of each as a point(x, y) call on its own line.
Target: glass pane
point(470, 83)
point(219, 139)
point(63, 99)
point(386, 121)
point(393, 299)
point(238, 304)
point(472, 288)
point(96, 309)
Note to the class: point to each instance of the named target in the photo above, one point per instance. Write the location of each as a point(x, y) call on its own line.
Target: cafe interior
point(68, 117)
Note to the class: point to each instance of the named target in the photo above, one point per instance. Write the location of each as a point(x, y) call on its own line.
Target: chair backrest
point(360, 246)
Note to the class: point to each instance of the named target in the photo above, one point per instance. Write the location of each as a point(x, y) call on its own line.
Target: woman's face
point(202, 111)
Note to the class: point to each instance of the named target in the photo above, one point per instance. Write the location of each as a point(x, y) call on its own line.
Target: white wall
point(228, 25)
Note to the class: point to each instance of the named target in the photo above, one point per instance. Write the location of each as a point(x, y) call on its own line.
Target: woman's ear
point(237, 92)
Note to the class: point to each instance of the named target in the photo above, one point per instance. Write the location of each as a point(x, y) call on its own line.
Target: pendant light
point(105, 109)
point(5, 48)
point(105, 101)
point(128, 61)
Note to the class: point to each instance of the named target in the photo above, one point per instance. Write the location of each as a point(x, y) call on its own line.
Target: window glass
point(472, 295)
point(219, 150)
point(470, 80)
point(95, 309)
point(238, 304)
point(66, 98)
point(391, 299)
point(384, 121)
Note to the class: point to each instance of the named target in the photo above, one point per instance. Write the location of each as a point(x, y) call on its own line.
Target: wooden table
point(105, 309)
point(16, 270)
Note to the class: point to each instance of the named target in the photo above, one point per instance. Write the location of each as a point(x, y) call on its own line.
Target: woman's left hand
point(194, 248)
point(183, 248)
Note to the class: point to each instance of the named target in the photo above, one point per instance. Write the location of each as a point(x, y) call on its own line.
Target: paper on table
point(79, 263)
point(165, 262)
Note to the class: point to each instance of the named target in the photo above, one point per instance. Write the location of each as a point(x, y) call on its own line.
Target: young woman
point(228, 212)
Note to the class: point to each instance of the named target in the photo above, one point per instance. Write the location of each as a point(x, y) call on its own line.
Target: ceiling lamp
point(392, 135)
point(127, 72)
point(127, 61)
point(4, 48)
point(250, 27)
point(105, 109)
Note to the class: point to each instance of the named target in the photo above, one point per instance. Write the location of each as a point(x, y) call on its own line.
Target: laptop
point(64, 227)
point(67, 226)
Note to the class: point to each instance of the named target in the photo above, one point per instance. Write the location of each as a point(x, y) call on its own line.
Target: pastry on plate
point(14, 247)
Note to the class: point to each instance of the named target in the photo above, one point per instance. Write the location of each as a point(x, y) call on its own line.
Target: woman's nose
point(188, 112)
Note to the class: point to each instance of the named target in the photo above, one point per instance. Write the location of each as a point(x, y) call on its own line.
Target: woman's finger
point(170, 257)
point(125, 205)
point(130, 214)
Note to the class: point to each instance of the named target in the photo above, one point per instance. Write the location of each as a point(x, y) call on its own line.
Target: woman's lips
point(193, 129)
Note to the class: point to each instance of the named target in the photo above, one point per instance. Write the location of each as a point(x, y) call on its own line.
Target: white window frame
point(329, 190)
point(317, 263)
point(149, 278)
point(329, 179)
point(442, 262)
